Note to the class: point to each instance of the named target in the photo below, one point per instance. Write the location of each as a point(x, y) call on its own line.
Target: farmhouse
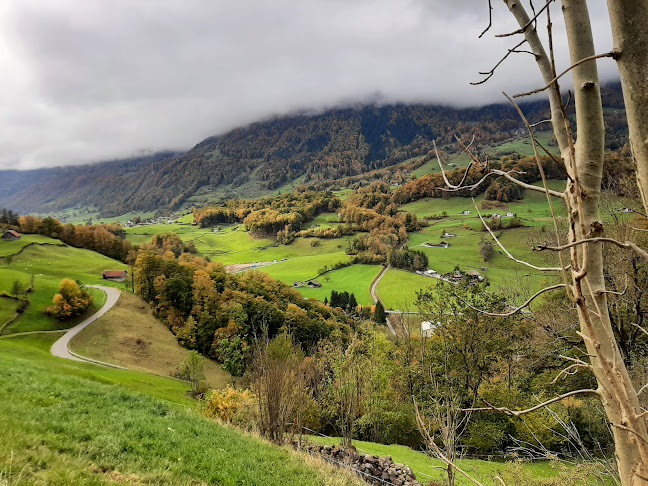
point(475, 275)
point(510, 215)
point(11, 235)
point(298, 283)
point(466, 212)
point(448, 235)
point(314, 284)
point(115, 275)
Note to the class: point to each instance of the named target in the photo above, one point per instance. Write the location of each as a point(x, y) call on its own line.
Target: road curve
point(60, 347)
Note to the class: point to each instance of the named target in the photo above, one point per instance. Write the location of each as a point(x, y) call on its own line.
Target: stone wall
point(381, 471)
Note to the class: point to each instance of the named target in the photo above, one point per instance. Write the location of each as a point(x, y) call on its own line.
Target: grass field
point(427, 469)
point(397, 289)
point(70, 423)
point(130, 336)
point(15, 246)
point(355, 279)
point(49, 264)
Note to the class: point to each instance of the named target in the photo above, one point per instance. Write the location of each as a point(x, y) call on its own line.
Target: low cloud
point(89, 81)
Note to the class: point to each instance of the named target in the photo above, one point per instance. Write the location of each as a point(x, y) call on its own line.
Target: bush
point(232, 405)
point(72, 300)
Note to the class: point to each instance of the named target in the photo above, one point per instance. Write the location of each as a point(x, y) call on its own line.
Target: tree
point(193, 371)
point(581, 259)
point(379, 314)
point(70, 301)
point(486, 249)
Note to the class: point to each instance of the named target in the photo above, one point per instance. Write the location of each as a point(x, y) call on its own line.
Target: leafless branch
point(490, 19)
point(489, 74)
point(613, 54)
point(528, 186)
point(533, 125)
point(518, 413)
point(628, 245)
point(642, 389)
point(517, 309)
point(507, 253)
point(522, 29)
point(430, 441)
point(568, 371)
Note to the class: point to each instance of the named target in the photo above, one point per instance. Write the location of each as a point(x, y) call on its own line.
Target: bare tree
point(581, 257)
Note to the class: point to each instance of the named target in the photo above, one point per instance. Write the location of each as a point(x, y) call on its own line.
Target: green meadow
point(355, 279)
point(429, 469)
point(70, 423)
point(48, 262)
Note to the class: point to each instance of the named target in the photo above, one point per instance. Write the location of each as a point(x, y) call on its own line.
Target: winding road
point(60, 347)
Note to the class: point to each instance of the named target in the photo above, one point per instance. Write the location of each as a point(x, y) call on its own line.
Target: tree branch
point(518, 413)
point(528, 186)
point(507, 253)
point(489, 74)
point(517, 309)
point(628, 245)
point(613, 54)
point(490, 19)
point(522, 29)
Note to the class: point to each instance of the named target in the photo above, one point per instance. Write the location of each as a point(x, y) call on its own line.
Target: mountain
point(305, 147)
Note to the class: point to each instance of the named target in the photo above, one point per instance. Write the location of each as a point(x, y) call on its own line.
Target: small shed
point(115, 275)
point(466, 212)
point(510, 215)
point(428, 327)
point(298, 283)
point(475, 275)
point(314, 284)
point(10, 235)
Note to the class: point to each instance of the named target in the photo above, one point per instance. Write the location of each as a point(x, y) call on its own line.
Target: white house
point(510, 215)
point(466, 212)
point(428, 327)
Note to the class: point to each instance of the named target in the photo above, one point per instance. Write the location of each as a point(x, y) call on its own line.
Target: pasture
point(70, 423)
point(49, 264)
point(429, 469)
point(355, 279)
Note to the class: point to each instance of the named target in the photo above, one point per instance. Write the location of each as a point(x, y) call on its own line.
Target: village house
point(115, 275)
point(443, 244)
point(510, 215)
point(10, 235)
point(314, 284)
point(475, 275)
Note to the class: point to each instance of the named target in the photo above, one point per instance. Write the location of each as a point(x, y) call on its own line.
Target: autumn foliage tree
point(70, 301)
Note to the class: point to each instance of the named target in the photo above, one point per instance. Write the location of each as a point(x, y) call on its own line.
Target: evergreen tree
point(325, 301)
point(353, 303)
point(379, 314)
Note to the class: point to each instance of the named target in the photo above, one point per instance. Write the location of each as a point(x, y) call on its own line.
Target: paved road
point(60, 347)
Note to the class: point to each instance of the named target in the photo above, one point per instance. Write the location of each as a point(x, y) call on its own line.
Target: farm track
point(60, 347)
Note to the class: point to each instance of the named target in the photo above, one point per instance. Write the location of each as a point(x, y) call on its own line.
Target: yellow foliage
point(232, 405)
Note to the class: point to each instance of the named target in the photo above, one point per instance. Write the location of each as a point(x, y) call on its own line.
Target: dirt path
point(374, 284)
point(60, 347)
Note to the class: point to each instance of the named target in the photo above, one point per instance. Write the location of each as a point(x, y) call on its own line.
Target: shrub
point(71, 300)
point(232, 405)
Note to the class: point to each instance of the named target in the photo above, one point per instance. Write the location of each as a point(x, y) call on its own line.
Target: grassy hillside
point(128, 335)
point(48, 262)
point(69, 423)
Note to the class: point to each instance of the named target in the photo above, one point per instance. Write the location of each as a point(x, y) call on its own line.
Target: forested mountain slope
point(334, 144)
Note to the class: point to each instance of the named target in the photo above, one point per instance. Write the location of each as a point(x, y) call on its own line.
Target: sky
point(92, 80)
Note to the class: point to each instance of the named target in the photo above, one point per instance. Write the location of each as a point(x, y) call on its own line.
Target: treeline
point(106, 239)
point(264, 217)
point(363, 387)
point(220, 314)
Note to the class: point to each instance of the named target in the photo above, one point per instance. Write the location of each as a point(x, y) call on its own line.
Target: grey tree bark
point(584, 163)
point(628, 19)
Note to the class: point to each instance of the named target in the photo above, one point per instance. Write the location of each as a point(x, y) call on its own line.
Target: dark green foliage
point(408, 259)
point(379, 314)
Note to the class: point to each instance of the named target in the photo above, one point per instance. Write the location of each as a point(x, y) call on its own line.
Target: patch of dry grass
point(130, 336)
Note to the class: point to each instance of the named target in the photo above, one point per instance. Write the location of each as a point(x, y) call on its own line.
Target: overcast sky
point(90, 80)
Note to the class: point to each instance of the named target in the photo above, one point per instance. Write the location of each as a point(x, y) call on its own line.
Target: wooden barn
point(10, 235)
point(115, 275)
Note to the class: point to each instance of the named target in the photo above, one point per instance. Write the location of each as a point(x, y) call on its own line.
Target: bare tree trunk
point(628, 19)
point(584, 164)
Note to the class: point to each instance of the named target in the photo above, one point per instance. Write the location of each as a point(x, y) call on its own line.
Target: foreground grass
point(129, 335)
point(67, 423)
